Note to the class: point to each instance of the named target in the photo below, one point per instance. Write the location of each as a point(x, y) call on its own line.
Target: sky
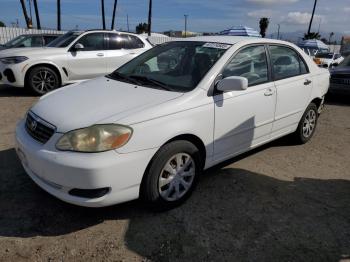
point(203, 15)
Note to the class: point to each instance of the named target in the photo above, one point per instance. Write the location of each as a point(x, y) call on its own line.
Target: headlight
point(13, 59)
point(97, 138)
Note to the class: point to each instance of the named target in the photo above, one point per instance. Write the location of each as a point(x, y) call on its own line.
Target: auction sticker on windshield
point(217, 45)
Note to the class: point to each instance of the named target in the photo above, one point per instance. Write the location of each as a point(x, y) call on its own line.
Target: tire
point(307, 125)
point(42, 79)
point(164, 169)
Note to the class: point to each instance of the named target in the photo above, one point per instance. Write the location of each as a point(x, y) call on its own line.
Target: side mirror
point(232, 83)
point(78, 47)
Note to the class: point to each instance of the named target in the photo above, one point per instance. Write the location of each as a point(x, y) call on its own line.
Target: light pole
point(186, 16)
point(278, 32)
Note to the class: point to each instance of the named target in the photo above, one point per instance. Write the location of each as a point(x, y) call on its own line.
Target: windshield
point(174, 66)
point(64, 40)
point(17, 40)
point(325, 55)
point(345, 63)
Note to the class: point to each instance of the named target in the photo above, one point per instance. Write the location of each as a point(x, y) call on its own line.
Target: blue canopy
point(313, 43)
point(240, 31)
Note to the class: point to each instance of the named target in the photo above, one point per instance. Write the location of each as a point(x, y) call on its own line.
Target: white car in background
point(328, 59)
point(151, 127)
point(73, 57)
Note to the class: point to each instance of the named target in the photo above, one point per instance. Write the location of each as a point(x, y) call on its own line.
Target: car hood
point(31, 51)
point(97, 101)
point(341, 70)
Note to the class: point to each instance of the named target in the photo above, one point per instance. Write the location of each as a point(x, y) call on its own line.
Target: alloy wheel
point(44, 81)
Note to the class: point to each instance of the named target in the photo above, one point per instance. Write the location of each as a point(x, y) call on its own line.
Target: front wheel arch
point(52, 67)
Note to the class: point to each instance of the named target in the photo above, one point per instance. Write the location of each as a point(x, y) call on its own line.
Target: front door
point(90, 61)
point(243, 118)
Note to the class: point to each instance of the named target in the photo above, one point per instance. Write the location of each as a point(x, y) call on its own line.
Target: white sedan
point(151, 127)
point(73, 57)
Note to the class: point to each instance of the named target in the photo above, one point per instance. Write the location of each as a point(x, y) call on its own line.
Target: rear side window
point(250, 63)
point(286, 62)
point(92, 42)
point(135, 42)
point(123, 41)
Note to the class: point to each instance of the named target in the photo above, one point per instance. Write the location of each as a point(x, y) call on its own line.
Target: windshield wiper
point(116, 76)
point(152, 81)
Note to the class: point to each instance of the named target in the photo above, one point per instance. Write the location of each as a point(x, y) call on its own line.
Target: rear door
point(121, 48)
point(90, 61)
point(293, 84)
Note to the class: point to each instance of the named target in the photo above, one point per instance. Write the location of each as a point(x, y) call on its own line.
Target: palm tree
point(26, 17)
point(312, 17)
point(312, 35)
point(103, 14)
point(37, 14)
point(114, 10)
point(264, 23)
point(58, 15)
point(150, 17)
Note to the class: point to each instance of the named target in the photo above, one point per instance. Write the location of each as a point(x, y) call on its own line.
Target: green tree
point(312, 35)
point(142, 28)
point(2, 24)
point(264, 24)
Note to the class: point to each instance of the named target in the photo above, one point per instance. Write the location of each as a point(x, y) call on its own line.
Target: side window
point(92, 42)
point(135, 42)
point(285, 62)
point(250, 63)
point(118, 41)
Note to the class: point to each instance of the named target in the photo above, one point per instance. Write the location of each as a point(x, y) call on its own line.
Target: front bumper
point(59, 172)
point(12, 74)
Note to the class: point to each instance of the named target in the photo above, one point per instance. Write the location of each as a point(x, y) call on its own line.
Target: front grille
point(39, 129)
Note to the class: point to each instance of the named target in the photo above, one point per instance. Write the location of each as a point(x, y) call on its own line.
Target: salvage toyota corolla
point(151, 127)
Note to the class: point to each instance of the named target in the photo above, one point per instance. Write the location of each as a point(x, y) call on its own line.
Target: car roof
point(104, 31)
point(225, 39)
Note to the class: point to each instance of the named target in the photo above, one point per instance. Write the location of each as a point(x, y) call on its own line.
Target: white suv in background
point(73, 57)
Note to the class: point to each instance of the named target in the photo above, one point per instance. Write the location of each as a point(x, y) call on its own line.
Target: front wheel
point(42, 80)
point(307, 124)
point(172, 175)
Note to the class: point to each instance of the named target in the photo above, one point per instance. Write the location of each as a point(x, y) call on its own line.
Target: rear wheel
point(42, 80)
point(172, 175)
point(307, 124)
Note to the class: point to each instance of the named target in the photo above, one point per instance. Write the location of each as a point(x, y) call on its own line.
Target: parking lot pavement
point(281, 202)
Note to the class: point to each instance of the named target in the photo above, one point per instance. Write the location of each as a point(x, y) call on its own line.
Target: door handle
point(100, 54)
point(132, 53)
point(268, 92)
point(307, 82)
